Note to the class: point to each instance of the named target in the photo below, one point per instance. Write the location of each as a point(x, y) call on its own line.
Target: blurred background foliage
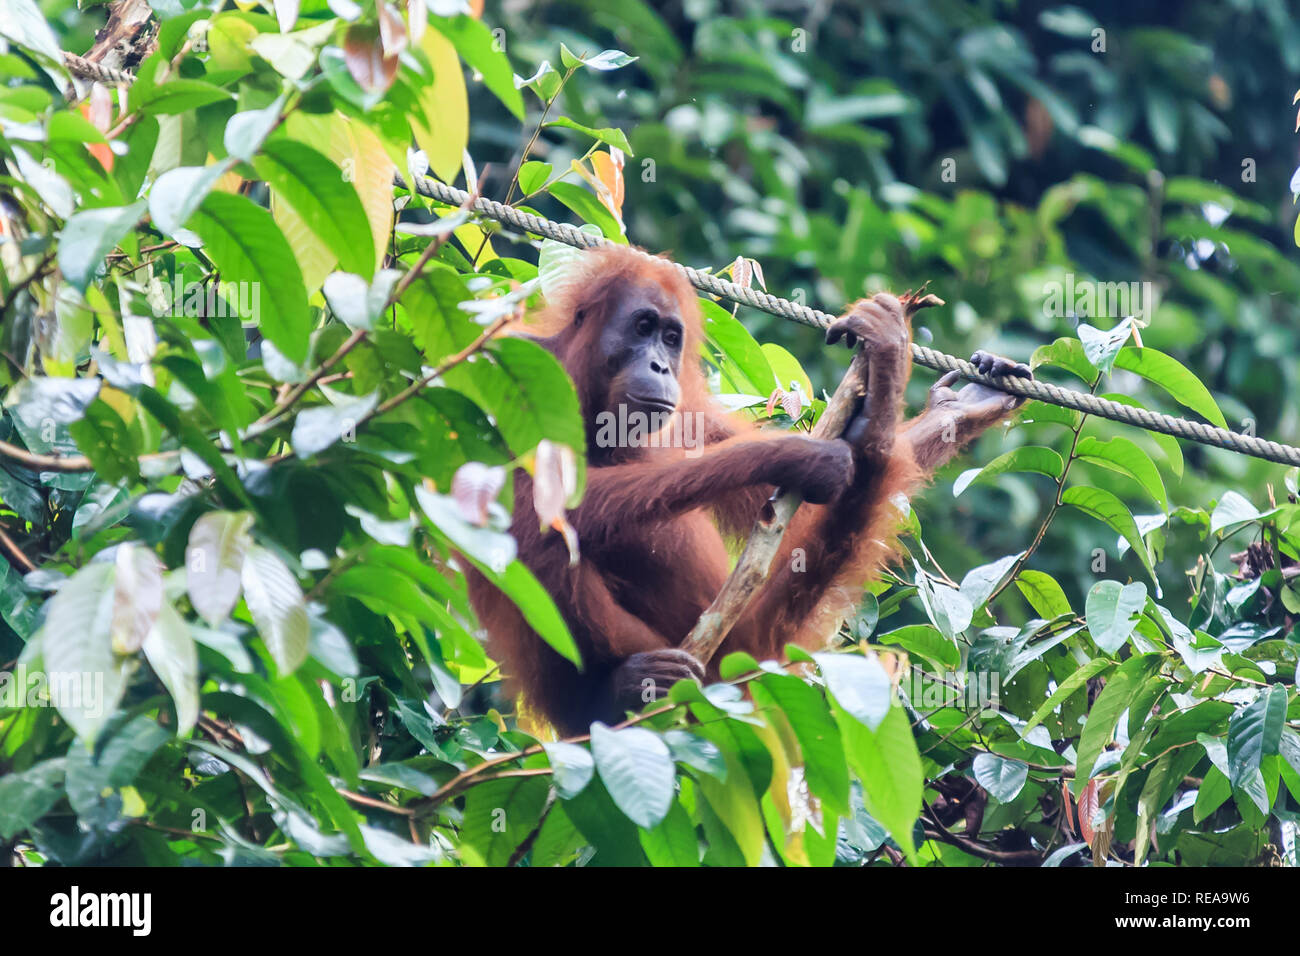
point(1128, 142)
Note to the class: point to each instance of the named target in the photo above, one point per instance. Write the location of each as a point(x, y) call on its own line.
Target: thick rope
point(91, 70)
point(931, 358)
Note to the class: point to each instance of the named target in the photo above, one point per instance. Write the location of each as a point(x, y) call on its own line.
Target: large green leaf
point(1104, 506)
point(527, 392)
point(247, 246)
point(90, 235)
point(1171, 375)
point(86, 677)
point(819, 738)
point(1112, 610)
point(887, 763)
point(1123, 456)
point(323, 198)
point(1254, 732)
point(1032, 458)
point(637, 770)
point(275, 602)
point(1120, 690)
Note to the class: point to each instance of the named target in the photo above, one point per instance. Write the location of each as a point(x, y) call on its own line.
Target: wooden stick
point(755, 564)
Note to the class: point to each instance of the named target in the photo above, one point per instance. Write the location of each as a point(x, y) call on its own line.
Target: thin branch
point(1056, 504)
point(466, 778)
point(362, 800)
point(15, 554)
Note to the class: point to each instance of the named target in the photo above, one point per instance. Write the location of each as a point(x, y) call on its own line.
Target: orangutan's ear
point(579, 316)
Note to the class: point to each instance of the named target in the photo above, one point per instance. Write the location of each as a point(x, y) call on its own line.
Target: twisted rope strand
point(755, 298)
point(930, 358)
point(91, 70)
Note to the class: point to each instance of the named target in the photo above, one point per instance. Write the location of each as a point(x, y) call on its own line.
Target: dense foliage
point(257, 420)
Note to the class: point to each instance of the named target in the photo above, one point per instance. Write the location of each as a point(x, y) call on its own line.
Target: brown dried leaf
point(363, 53)
point(1067, 803)
point(1088, 803)
point(792, 403)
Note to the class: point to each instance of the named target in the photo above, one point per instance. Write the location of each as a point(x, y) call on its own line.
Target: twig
point(15, 554)
point(467, 777)
point(362, 800)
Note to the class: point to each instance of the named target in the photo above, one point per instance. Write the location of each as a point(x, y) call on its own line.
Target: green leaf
point(247, 130)
point(859, 686)
point(571, 766)
point(479, 48)
point(90, 235)
point(1171, 375)
point(214, 558)
point(979, 582)
point(820, 746)
point(887, 763)
point(493, 553)
point(1123, 456)
point(586, 205)
point(1112, 610)
point(176, 96)
point(86, 677)
point(275, 602)
point(1033, 458)
point(1104, 506)
point(1215, 790)
point(1100, 347)
point(499, 815)
point(1232, 509)
point(246, 245)
point(1066, 353)
point(315, 429)
point(1120, 690)
point(532, 177)
point(323, 198)
point(1002, 778)
point(1067, 687)
point(172, 654)
point(637, 770)
point(527, 392)
point(1043, 594)
point(947, 608)
point(1034, 412)
point(1254, 732)
point(673, 842)
point(604, 60)
point(179, 192)
point(696, 752)
point(745, 364)
point(27, 796)
point(608, 135)
point(925, 640)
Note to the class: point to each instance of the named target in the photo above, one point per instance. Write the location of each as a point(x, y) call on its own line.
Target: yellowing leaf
point(443, 129)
